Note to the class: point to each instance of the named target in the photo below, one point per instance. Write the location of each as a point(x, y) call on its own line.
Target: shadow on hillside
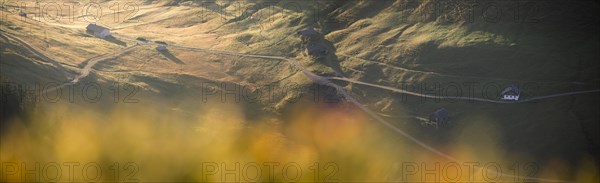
point(115, 41)
point(171, 57)
point(332, 58)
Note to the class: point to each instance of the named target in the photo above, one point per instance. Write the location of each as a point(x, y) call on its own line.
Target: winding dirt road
point(88, 67)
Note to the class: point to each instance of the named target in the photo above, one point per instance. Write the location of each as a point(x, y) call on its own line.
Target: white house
point(511, 93)
point(98, 31)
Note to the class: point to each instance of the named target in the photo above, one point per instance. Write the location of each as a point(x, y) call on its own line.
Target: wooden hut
point(440, 117)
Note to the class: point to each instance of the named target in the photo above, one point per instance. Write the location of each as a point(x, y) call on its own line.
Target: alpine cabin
point(511, 93)
point(98, 31)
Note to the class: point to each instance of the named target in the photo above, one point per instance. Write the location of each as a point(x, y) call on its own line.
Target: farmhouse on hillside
point(511, 93)
point(161, 45)
point(98, 31)
point(439, 117)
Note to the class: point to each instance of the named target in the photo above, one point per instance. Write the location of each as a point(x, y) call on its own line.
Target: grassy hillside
point(546, 47)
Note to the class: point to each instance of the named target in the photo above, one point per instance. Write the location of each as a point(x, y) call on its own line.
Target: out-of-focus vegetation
point(168, 146)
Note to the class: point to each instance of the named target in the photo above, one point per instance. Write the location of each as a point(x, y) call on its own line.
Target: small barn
point(308, 34)
point(316, 50)
point(511, 93)
point(440, 117)
point(98, 31)
point(161, 47)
